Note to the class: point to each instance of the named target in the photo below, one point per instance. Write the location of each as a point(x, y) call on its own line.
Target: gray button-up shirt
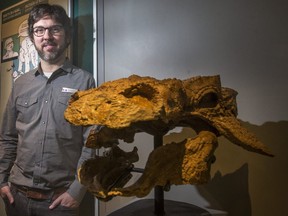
point(38, 147)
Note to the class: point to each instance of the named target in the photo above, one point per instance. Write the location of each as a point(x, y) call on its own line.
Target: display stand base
point(145, 207)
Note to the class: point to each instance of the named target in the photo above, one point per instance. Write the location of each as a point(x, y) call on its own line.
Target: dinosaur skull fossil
point(124, 107)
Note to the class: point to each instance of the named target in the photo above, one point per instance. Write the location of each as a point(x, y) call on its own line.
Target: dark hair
point(54, 11)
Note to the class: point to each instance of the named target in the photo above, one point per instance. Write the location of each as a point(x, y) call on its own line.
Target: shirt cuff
point(77, 190)
point(4, 184)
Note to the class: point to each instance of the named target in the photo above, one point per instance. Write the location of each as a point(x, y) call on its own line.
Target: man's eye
point(39, 30)
point(56, 29)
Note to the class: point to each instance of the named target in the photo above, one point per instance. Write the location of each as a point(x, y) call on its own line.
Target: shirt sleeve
point(8, 141)
point(76, 189)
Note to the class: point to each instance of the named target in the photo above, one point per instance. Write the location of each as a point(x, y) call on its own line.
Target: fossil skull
point(124, 107)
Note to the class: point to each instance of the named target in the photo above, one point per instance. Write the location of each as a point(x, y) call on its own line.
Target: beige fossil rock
point(123, 107)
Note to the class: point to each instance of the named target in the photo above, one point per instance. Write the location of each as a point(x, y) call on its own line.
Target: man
point(39, 150)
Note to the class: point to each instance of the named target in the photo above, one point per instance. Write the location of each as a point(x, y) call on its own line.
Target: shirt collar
point(66, 67)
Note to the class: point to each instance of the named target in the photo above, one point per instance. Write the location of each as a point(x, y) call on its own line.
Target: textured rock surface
point(144, 104)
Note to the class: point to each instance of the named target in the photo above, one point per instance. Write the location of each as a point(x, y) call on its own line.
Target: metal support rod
point(158, 190)
point(138, 170)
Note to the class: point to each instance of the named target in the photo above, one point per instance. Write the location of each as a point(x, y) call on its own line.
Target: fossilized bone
point(144, 104)
point(187, 162)
point(102, 174)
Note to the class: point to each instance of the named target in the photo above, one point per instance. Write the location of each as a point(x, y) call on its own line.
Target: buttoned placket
point(44, 110)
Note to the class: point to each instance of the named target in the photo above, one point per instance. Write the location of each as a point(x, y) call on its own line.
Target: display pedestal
point(145, 207)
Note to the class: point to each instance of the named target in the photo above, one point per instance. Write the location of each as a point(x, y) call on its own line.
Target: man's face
point(49, 39)
point(10, 45)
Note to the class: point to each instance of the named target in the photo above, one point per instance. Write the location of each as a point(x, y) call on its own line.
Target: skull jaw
point(187, 162)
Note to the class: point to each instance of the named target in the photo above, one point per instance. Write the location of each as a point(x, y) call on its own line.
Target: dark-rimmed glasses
point(55, 30)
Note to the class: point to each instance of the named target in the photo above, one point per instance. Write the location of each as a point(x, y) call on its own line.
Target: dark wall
point(83, 34)
point(4, 3)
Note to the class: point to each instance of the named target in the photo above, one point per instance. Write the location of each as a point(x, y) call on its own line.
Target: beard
point(53, 55)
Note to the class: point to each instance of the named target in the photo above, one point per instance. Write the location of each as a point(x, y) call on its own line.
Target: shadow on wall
point(262, 180)
point(244, 183)
point(231, 192)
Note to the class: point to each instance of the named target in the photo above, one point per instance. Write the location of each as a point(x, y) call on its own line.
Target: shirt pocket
point(27, 108)
point(66, 130)
point(62, 103)
point(64, 99)
point(26, 102)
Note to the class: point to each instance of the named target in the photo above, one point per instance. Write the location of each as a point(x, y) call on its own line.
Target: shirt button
point(46, 101)
point(43, 122)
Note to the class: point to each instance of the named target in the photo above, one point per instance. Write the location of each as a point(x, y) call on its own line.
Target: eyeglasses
point(55, 30)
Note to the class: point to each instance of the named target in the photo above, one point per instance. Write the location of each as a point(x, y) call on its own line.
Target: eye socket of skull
point(209, 100)
point(141, 89)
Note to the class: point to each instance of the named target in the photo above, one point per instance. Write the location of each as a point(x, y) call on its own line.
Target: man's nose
point(47, 33)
